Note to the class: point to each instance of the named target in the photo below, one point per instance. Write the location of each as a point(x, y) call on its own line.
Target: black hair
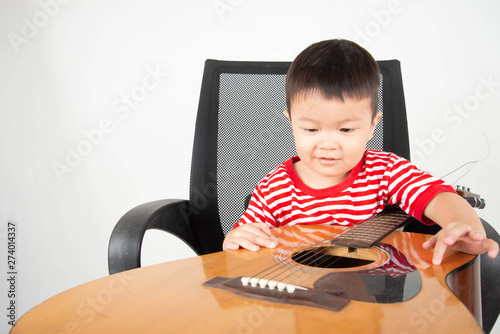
point(336, 68)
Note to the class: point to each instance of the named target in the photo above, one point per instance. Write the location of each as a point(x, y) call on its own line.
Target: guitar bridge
point(280, 292)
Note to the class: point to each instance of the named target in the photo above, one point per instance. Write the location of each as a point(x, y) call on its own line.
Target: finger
point(269, 242)
point(251, 237)
point(254, 243)
point(251, 227)
point(492, 247)
point(265, 228)
point(442, 241)
point(429, 244)
point(439, 250)
point(262, 235)
point(476, 235)
point(448, 236)
point(230, 245)
point(247, 244)
point(261, 229)
point(452, 233)
point(237, 242)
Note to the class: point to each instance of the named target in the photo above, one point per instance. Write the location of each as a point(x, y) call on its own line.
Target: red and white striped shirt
point(380, 179)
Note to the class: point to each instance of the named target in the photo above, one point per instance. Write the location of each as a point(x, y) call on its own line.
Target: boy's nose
point(329, 142)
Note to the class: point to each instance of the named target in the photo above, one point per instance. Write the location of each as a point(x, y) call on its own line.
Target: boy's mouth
point(327, 160)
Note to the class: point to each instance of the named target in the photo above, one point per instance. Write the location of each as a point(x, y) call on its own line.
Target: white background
point(67, 67)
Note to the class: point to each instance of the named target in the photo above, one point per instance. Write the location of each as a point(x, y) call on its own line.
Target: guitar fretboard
point(370, 232)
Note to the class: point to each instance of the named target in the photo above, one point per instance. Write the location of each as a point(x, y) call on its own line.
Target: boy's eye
point(346, 130)
point(310, 130)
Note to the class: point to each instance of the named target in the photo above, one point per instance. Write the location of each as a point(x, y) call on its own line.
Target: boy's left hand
point(460, 237)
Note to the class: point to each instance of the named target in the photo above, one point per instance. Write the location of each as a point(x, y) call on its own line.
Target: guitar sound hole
point(324, 257)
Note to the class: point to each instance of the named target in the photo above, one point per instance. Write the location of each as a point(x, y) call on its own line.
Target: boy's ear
point(375, 121)
point(287, 115)
point(377, 118)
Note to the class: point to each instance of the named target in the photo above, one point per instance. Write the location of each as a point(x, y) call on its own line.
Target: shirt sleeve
point(257, 211)
point(412, 189)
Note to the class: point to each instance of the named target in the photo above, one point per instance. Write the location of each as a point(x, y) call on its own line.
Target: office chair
point(241, 134)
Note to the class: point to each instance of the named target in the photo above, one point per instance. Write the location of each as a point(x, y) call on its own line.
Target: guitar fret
point(368, 233)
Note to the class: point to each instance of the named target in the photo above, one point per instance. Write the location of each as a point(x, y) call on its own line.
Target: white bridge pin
point(254, 281)
point(245, 280)
point(272, 284)
point(263, 283)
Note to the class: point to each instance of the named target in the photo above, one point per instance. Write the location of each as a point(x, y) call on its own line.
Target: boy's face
point(330, 137)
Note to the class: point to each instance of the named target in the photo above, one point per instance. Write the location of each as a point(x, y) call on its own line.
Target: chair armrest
point(169, 215)
point(490, 290)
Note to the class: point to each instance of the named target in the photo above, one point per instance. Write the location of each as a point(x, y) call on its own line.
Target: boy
point(332, 100)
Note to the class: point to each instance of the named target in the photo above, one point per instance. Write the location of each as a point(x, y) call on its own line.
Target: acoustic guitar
point(318, 279)
point(371, 279)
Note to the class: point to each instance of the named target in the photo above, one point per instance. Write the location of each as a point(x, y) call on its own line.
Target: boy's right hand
point(251, 237)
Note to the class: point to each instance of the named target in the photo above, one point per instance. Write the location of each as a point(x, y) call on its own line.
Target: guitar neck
point(370, 232)
point(473, 199)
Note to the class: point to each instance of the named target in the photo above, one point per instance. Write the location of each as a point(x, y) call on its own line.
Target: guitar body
point(202, 294)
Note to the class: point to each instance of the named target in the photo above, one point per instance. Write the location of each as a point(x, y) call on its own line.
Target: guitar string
point(277, 265)
point(346, 231)
point(308, 253)
point(281, 262)
point(474, 162)
point(320, 261)
point(292, 268)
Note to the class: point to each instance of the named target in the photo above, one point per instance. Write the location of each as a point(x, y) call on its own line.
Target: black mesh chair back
point(241, 135)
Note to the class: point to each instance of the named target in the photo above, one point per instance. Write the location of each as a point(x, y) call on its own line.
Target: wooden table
point(171, 298)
